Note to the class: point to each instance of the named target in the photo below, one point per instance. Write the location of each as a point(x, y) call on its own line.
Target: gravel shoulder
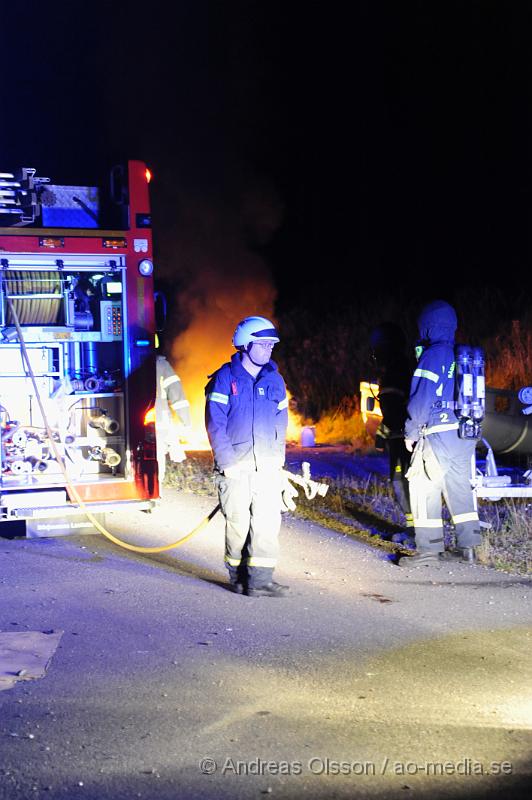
point(352, 686)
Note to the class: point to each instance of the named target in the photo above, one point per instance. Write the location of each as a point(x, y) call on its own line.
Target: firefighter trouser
point(251, 505)
point(167, 442)
point(161, 435)
point(445, 470)
point(399, 463)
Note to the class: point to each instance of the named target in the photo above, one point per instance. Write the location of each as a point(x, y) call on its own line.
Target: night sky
point(343, 141)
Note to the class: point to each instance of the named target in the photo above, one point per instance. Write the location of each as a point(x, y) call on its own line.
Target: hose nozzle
point(106, 455)
point(105, 423)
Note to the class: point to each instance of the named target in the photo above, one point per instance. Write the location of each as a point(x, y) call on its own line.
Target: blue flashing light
point(145, 267)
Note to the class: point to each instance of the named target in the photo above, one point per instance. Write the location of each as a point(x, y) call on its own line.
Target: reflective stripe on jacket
point(170, 394)
point(433, 381)
point(246, 418)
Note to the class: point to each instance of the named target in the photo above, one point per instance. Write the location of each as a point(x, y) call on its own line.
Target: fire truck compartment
point(72, 317)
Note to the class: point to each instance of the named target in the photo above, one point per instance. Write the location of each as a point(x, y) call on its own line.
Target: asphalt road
point(368, 680)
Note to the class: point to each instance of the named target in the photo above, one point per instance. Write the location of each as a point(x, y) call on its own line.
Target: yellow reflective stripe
point(470, 516)
point(283, 404)
point(216, 397)
point(398, 468)
point(179, 404)
point(261, 562)
point(448, 426)
point(233, 562)
point(426, 373)
point(428, 523)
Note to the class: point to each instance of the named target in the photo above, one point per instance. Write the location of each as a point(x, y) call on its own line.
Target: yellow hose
point(72, 491)
point(137, 549)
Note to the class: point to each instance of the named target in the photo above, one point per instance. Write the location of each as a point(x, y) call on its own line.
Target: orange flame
point(295, 422)
point(206, 344)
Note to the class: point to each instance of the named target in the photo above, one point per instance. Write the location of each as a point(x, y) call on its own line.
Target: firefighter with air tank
point(445, 409)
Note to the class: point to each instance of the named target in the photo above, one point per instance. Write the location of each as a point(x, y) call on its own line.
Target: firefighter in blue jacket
point(441, 463)
point(246, 416)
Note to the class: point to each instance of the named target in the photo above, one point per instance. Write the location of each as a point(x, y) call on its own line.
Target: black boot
point(424, 558)
point(467, 554)
point(262, 584)
point(271, 589)
point(237, 579)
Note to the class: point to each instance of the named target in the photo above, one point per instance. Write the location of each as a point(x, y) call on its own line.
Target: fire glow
point(207, 342)
point(295, 423)
point(213, 304)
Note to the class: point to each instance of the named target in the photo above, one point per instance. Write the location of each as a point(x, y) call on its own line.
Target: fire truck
point(77, 357)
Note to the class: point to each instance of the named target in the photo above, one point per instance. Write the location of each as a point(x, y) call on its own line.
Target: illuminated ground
point(364, 682)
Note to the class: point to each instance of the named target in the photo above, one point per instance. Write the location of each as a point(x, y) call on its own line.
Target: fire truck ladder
point(19, 196)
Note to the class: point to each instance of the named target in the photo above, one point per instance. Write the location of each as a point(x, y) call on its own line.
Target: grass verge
point(366, 510)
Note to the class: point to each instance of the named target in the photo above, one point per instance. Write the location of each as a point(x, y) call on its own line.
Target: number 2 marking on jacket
point(444, 417)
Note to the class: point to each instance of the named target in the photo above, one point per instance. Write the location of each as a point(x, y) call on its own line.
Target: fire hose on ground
point(311, 488)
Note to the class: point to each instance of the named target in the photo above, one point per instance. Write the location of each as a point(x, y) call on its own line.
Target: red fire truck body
point(77, 359)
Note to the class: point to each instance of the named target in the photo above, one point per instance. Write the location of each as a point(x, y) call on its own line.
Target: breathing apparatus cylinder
point(479, 385)
point(470, 391)
point(464, 380)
